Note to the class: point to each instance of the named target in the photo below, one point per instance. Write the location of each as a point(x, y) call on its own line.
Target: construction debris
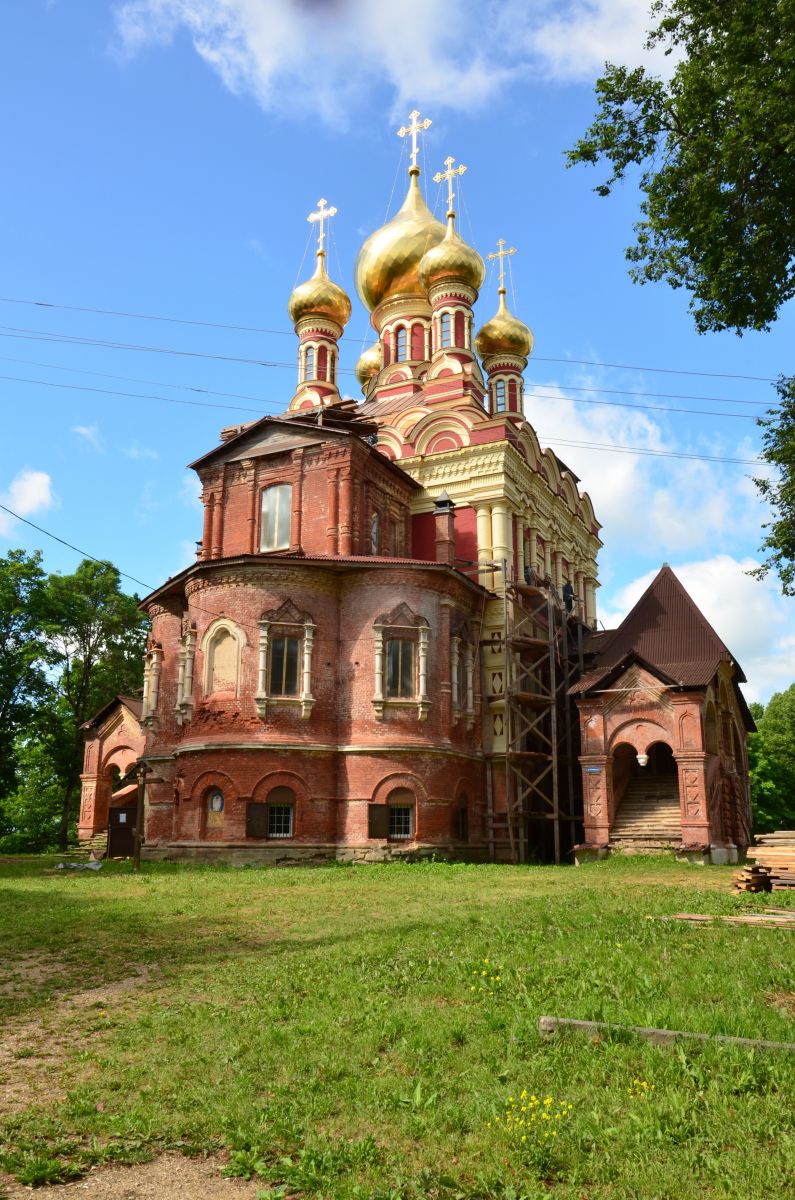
point(773, 864)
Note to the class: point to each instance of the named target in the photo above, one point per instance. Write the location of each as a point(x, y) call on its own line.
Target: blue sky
point(160, 157)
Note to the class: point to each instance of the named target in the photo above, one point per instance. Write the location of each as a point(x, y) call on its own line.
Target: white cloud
point(29, 492)
point(325, 57)
point(90, 435)
point(646, 502)
point(752, 618)
point(190, 491)
point(137, 451)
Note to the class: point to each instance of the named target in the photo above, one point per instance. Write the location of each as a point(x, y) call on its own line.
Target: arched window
point(281, 812)
point(445, 330)
point(322, 362)
point(401, 814)
point(499, 396)
point(309, 362)
point(460, 326)
point(400, 344)
point(374, 540)
point(274, 532)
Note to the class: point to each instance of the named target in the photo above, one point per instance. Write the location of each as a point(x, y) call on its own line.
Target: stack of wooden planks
point(773, 859)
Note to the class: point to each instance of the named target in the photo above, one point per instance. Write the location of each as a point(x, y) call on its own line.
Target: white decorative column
point(307, 699)
point(501, 541)
point(261, 698)
point(469, 669)
point(590, 600)
point(187, 683)
point(485, 575)
point(147, 686)
point(520, 560)
point(455, 653)
point(547, 558)
point(424, 704)
point(378, 660)
point(154, 678)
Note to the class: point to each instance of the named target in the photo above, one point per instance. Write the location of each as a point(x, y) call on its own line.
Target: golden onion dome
point(370, 363)
point(388, 263)
point(504, 334)
point(319, 297)
point(452, 259)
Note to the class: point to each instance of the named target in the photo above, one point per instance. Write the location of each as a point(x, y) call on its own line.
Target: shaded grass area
point(362, 1032)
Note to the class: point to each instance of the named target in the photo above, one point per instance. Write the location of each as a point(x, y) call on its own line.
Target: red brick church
point(387, 645)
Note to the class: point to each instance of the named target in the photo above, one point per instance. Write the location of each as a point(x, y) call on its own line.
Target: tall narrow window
point(446, 330)
point(400, 654)
point(275, 520)
point(400, 344)
point(499, 396)
point(374, 539)
point(285, 655)
point(309, 362)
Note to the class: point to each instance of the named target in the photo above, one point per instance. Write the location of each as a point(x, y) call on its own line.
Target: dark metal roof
point(666, 630)
point(134, 704)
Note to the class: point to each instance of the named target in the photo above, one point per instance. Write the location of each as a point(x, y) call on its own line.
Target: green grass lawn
point(362, 1032)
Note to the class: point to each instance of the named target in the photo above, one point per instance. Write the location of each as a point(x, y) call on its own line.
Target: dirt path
point(170, 1177)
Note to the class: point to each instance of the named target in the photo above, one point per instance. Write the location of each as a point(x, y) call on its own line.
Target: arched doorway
point(647, 813)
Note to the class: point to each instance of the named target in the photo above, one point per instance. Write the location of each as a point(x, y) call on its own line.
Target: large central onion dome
point(388, 262)
point(504, 334)
point(319, 296)
point(452, 259)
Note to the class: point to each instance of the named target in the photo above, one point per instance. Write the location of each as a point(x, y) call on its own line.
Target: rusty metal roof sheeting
point(668, 632)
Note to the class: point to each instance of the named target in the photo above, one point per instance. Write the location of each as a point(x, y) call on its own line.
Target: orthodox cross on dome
point(322, 215)
point(416, 126)
point(449, 175)
point(501, 253)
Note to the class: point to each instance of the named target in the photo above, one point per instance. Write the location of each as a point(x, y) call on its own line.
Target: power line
point(582, 362)
point(76, 549)
point(570, 387)
point(747, 462)
point(275, 407)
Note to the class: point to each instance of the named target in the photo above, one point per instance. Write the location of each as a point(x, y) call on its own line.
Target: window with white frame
point(445, 330)
point(401, 347)
point(275, 517)
point(309, 363)
point(284, 672)
point(499, 396)
point(400, 645)
point(462, 677)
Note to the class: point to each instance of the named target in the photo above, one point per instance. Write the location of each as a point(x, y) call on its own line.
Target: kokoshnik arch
point(332, 677)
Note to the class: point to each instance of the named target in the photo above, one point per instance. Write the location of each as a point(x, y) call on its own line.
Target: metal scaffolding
point(543, 658)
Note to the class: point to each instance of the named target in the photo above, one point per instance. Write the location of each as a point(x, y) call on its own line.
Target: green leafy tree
point(714, 145)
point(33, 811)
point(713, 149)
point(23, 651)
point(778, 449)
point(97, 640)
point(771, 760)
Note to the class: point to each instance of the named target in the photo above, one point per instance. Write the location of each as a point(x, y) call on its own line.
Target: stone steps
point(649, 816)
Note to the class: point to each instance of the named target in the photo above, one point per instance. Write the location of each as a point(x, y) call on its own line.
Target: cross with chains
point(416, 126)
point(502, 254)
point(449, 175)
point(323, 214)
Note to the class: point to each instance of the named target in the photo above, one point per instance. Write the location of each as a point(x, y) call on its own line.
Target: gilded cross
point(416, 126)
point(502, 254)
point(322, 215)
point(449, 175)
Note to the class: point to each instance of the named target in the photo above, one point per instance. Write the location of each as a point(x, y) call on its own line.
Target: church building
point(383, 644)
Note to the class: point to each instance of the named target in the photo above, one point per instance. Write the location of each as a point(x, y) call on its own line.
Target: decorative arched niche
point(222, 645)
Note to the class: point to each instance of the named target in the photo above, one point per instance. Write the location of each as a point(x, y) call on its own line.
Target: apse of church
point(330, 677)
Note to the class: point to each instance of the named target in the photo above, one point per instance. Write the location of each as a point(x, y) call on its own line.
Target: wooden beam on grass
point(548, 1026)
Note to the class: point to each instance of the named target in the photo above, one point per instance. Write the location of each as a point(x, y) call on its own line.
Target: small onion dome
point(370, 363)
point(504, 334)
point(388, 263)
point(452, 259)
point(319, 297)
